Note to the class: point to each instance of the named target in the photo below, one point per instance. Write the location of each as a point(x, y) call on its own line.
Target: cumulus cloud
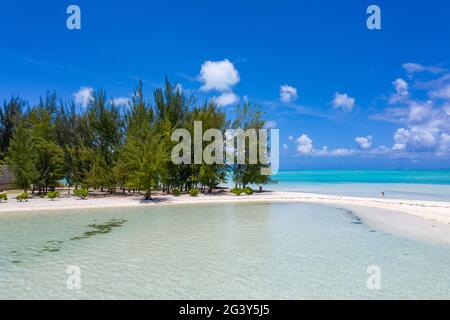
point(304, 144)
point(424, 123)
point(424, 131)
point(343, 101)
point(401, 91)
point(84, 96)
point(418, 139)
point(364, 142)
point(305, 147)
point(226, 99)
point(285, 147)
point(288, 93)
point(218, 75)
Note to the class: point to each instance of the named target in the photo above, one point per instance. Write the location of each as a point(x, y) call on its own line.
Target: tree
point(249, 117)
point(143, 153)
point(21, 158)
point(172, 111)
point(49, 156)
point(105, 123)
point(10, 115)
point(102, 146)
point(209, 175)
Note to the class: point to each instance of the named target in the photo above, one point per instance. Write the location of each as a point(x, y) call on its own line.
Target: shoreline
point(414, 219)
point(437, 211)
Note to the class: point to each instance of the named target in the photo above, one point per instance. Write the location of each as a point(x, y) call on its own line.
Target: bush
point(176, 192)
point(82, 193)
point(22, 197)
point(52, 195)
point(236, 191)
point(3, 196)
point(194, 192)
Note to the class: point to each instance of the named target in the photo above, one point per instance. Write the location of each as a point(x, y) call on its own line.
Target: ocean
point(431, 185)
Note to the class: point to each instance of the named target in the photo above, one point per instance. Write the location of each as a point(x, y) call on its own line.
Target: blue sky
point(342, 96)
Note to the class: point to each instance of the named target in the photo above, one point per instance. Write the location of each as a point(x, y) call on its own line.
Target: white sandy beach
point(428, 220)
point(429, 210)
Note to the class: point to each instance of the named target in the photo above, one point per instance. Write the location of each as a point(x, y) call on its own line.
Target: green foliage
point(10, 115)
point(144, 151)
point(176, 192)
point(194, 192)
point(49, 155)
point(52, 195)
point(3, 197)
point(236, 191)
point(107, 147)
point(249, 117)
point(106, 126)
point(239, 191)
point(22, 197)
point(21, 158)
point(81, 193)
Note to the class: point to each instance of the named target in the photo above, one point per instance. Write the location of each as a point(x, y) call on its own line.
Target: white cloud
point(84, 96)
point(226, 99)
point(291, 138)
point(419, 111)
point(441, 93)
point(304, 144)
point(424, 124)
point(288, 93)
point(444, 146)
point(364, 142)
point(285, 147)
point(179, 87)
point(305, 147)
point(401, 91)
point(121, 101)
point(218, 75)
point(411, 68)
point(424, 131)
point(271, 124)
point(415, 139)
point(342, 152)
point(343, 101)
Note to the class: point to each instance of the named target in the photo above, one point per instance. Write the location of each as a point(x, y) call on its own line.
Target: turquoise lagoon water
point(225, 251)
point(431, 185)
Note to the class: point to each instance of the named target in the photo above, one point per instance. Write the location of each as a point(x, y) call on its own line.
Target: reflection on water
point(56, 245)
point(103, 228)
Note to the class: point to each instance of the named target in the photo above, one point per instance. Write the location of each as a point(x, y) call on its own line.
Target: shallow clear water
point(433, 185)
point(245, 251)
